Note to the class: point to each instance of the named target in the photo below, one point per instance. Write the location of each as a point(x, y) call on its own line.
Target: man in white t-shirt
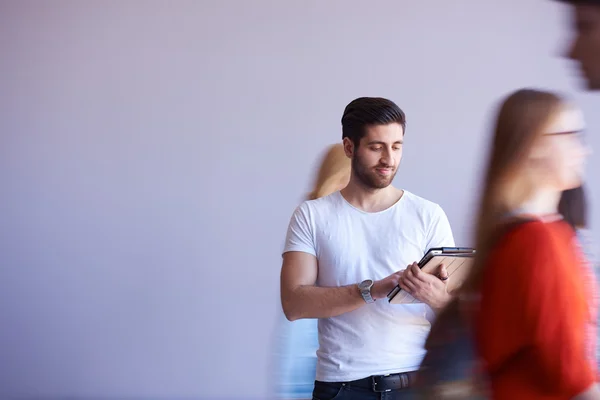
point(345, 252)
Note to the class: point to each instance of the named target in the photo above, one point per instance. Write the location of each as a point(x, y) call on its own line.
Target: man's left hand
point(428, 288)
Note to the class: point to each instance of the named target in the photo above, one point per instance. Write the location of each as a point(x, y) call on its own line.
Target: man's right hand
point(383, 287)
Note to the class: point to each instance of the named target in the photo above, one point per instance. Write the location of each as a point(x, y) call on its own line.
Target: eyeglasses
point(574, 134)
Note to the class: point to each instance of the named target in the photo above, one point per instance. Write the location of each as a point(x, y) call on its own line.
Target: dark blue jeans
point(347, 391)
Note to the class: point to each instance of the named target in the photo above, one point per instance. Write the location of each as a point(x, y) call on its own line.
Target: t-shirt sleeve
point(440, 232)
point(300, 236)
point(533, 306)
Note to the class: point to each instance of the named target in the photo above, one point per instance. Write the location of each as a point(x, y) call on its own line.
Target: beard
point(369, 177)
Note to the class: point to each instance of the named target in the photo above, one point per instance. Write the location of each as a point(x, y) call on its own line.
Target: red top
point(531, 330)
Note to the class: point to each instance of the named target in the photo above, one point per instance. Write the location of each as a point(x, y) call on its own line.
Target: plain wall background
point(152, 152)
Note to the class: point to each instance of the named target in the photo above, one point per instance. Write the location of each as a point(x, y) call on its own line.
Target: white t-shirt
point(352, 245)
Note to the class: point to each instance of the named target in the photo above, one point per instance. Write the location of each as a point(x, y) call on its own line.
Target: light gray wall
point(152, 152)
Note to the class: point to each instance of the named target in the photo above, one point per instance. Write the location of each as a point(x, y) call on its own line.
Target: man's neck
point(371, 200)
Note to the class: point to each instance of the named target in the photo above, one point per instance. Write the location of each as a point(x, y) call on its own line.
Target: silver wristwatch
point(365, 290)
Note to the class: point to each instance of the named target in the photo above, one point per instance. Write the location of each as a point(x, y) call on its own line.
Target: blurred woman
point(298, 359)
point(533, 326)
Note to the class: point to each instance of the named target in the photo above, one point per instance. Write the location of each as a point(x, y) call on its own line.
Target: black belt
point(386, 383)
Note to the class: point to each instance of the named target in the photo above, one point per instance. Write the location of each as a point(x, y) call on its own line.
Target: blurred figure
point(585, 46)
point(343, 255)
point(527, 302)
point(533, 324)
point(573, 208)
point(298, 361)
point(334, 173)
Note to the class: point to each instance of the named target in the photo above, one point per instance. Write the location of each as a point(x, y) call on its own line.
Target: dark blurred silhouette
point(573, 208)
point(585, 45)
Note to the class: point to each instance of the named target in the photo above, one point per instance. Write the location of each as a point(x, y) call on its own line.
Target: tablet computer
point(458, 262)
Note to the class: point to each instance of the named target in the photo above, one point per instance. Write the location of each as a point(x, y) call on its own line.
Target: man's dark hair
point(366, 111)
point(573, 207)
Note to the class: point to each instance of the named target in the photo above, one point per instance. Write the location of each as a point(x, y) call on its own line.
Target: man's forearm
point(321, 302)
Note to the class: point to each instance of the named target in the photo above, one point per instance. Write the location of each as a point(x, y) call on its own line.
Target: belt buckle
point(374, 379)
point(404, 380)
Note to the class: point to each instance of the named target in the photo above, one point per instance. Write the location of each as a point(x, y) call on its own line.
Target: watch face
point(366, 284)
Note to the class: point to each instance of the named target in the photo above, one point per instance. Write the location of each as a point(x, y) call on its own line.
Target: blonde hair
point(334, 172)
point(523, 118)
